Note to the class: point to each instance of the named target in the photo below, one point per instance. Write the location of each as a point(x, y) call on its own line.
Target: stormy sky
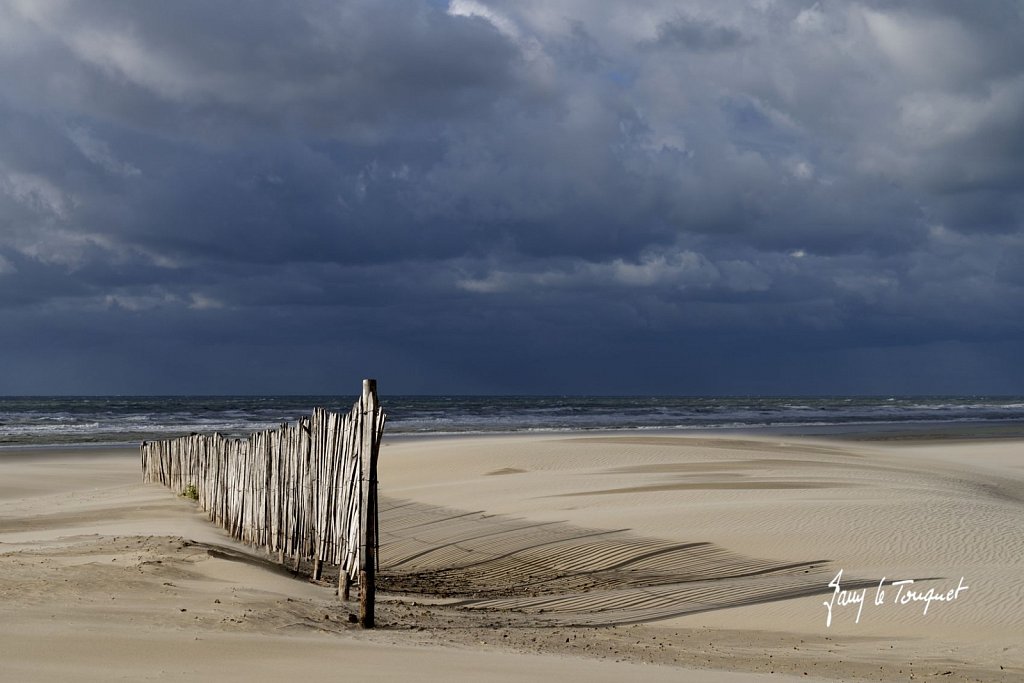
point(539, 196)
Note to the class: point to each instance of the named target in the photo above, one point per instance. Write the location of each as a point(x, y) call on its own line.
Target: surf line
point(904, 595)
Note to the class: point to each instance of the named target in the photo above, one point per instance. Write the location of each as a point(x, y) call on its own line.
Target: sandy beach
point(604, 556)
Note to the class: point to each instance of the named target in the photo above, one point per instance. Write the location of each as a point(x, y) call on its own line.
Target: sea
point(29, 421)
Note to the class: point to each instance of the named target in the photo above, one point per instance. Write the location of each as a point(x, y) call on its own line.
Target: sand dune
point(513, 558)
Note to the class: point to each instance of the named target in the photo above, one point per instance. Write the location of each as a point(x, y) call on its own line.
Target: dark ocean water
point(131, 419)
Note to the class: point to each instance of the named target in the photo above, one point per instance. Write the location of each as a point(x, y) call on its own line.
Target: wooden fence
point(307, 491)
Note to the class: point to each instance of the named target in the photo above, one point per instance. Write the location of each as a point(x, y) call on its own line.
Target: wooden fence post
point(368, 503)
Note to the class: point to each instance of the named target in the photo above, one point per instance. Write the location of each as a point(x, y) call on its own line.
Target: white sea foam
point(125, 419)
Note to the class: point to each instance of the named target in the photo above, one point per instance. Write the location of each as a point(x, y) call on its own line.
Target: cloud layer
point(539, 197)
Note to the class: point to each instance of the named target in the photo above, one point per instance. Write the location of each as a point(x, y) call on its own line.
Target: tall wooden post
point(368, 503)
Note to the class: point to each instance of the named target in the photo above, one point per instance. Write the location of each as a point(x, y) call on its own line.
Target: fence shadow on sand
point(566, 575)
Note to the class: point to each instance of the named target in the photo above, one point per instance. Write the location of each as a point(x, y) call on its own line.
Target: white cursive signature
point(904, 595)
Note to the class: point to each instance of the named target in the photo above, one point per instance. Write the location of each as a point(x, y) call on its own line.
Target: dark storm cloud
point(195, 69)
point(697, 35)
point(531, 196)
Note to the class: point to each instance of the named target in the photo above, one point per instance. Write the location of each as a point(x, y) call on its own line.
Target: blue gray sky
point(539, 196)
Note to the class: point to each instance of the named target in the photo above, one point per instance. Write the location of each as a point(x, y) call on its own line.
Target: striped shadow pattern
point(569, 575)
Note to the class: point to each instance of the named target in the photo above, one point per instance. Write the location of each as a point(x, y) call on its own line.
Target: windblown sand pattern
point(571, 574)
point(122, 579)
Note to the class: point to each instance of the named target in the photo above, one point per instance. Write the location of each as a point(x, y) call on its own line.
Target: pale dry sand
point(782, 517)
point(688, 558)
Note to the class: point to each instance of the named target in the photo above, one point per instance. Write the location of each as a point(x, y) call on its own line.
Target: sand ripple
point(573, 574)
